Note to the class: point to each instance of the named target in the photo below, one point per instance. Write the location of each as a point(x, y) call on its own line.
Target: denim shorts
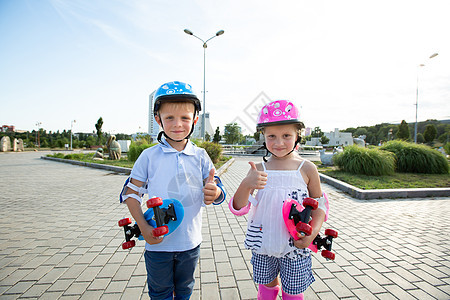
point(169, 272)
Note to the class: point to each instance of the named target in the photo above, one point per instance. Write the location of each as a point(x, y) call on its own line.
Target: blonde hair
point(179, 105)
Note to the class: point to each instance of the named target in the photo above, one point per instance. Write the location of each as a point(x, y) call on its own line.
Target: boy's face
point(280, 139)
point(176, 118)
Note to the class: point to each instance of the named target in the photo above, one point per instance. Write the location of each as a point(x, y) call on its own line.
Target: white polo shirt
point(179, 175)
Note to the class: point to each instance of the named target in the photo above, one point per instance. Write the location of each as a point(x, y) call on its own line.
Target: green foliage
point(136, 149)
point(98, 127)
point(403, 131)
point(214, 150)
point(217, 136)
point(430, 133)
point(365, 161)
point(447, 148)
point(74, 156)
point(413, 158)
point(232, 133)
point(324, 140)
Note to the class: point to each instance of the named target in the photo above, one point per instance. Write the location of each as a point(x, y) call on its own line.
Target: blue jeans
point(169, 272)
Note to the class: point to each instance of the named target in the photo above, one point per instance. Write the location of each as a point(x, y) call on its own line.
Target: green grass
point(395, 181)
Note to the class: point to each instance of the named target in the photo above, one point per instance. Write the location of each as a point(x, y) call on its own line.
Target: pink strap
point(243, 211)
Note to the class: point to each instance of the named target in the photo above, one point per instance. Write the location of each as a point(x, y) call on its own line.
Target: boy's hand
point(255, 179)
point(147, 233)
point(210, 190)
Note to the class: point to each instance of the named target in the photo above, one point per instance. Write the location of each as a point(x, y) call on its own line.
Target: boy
point(175, 168)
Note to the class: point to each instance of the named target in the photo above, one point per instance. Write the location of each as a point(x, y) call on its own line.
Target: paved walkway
point(59, 239)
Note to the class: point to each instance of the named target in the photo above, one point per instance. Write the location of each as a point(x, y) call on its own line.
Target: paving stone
point(79, 255)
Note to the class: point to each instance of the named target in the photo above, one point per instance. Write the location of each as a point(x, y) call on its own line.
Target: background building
point(153, 127)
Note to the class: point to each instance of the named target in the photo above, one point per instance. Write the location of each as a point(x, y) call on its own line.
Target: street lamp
point(417, 95)
point(38, 140)
point(220, 32)
point(71, 132)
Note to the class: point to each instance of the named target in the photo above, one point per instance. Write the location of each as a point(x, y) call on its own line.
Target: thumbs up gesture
point(210, 190)
point(255, 179)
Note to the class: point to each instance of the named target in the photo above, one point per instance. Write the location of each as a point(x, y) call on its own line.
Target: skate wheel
point(310, 202)
point(331, 232)
point(303, 227)
point(159, 231)
point(153, 202)
point(328, 254)
point(124, 222)
point(128, 245)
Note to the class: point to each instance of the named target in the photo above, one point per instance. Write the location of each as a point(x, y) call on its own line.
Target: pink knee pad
point(287, 296)
point(268, 293)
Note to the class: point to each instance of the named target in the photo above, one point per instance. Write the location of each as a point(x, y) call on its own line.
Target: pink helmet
point(278, 112)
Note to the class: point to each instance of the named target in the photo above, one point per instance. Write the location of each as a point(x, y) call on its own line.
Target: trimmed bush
point(413, 158)
point(365, 161)
point(136, 150)
point(214, 150)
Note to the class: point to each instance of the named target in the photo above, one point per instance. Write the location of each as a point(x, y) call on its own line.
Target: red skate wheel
point(153, 202)
point(159, 231)
point(310, 202)
point(123, 222)
point(328, 254)
point(331, 232)
point(128, 245)
point(303, 227)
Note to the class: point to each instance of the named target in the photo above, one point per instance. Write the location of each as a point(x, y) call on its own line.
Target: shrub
point(365, 161)
point(214, 150)
point(447, 148)
point(136, 150)
point(413, 158)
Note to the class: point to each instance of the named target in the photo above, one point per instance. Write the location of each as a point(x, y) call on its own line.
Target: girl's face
point(280, 139)
point(177, 119)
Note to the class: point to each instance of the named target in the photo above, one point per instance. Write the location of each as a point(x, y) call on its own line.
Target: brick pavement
point(59, 239)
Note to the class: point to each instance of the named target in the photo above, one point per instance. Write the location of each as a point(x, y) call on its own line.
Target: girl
point(284, 175)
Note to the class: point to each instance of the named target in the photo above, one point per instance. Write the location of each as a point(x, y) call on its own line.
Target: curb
point(126, 171)
point(387, 193)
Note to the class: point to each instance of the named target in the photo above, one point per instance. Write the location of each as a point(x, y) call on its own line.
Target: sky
point(343, 63)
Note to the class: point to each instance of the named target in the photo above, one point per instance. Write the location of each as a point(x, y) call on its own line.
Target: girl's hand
point(147, 233)
point(255, 179)
point(210, 191)
point(303, 242)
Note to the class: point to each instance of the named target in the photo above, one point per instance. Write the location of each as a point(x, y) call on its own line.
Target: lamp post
point(220, 32)
point(38, 140)
point(417, 95)
point(71, 132)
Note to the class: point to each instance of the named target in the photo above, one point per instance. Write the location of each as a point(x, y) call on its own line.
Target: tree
point(324, 140)
point(217, 137)
point(430, 133)
point(317, 132)
point(207, 137)
point(232, 133)
point(98, 127)
point(403, 131)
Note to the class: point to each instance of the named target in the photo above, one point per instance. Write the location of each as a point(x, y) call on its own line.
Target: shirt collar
point(167, 148)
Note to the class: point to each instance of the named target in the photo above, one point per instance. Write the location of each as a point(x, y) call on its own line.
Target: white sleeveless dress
point(266, 231)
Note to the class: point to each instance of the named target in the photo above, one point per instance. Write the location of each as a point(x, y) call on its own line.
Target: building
point(336, 138)
point(8, 128)
point(197, 134)
point(153, 127)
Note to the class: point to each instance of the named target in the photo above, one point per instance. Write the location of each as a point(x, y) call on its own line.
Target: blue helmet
point(175, 90)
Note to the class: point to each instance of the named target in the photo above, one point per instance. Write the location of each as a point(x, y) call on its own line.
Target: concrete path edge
point(345, 187)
